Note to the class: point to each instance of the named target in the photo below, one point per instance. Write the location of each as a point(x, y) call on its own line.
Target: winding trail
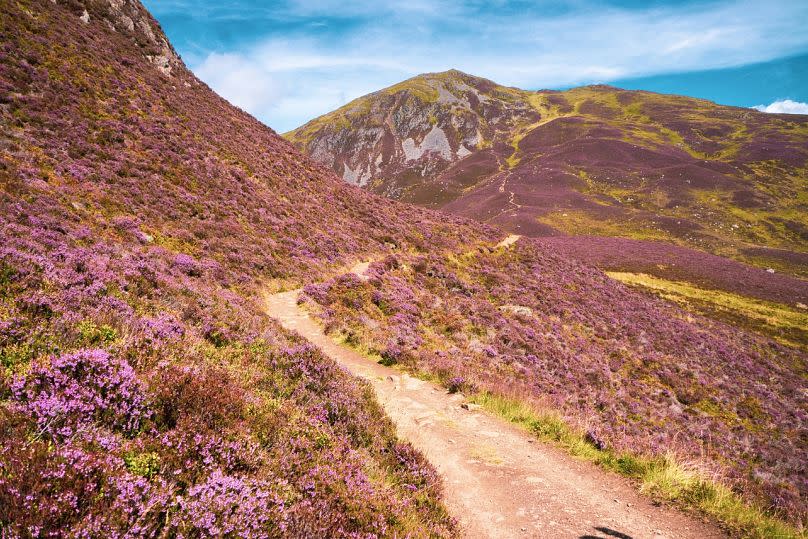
point(499, 481)
point(511, 204)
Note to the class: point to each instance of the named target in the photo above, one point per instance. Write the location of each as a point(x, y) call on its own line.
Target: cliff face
point(593, 160)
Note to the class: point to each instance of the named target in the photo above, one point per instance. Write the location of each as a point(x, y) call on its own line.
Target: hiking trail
point(499, 481)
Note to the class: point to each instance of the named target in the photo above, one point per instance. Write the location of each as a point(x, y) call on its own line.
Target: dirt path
point(505, 172)
point(499, 481)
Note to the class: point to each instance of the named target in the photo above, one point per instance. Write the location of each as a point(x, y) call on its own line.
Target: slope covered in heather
point(635, 373)
point(143, 389)
point(593, 160)
point(139, 214)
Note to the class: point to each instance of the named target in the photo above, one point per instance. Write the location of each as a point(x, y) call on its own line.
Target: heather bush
point(74, 389)
point(455, 384)
point(232, 507)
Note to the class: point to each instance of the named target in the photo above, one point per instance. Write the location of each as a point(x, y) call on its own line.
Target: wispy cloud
point(785, 106)
point(242, 82)
point(318, 53)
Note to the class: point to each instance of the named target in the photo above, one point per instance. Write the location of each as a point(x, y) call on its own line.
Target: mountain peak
point(446, 114)
point(451, 78)
point(601, 153)
point(449, 74)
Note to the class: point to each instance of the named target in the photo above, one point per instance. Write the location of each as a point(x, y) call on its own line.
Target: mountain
point(145, 392)
point(595, 160)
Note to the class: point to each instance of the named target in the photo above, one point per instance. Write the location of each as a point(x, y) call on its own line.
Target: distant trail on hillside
point(499, 481)
point(593, 160)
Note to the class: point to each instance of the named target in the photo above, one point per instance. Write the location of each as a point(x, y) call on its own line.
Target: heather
point(682, 264)
point(633, 372)
point(142, 390)
point(141, 156)
point(124, 374)
point(782, 323)
point(762, 300)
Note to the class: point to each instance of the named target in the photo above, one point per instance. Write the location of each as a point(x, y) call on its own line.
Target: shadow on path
point(608, 532)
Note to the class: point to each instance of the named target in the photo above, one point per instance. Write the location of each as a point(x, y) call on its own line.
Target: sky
point(288, 61)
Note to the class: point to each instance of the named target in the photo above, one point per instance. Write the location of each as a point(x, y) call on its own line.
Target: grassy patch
point(578, 222)
point(782, 322)
point(143, 464)
point(660, 477)
point(92, 334)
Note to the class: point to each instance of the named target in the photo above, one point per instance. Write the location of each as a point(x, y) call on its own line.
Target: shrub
point(62, 394)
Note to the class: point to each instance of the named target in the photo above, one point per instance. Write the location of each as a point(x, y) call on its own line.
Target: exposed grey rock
point(434, 141)
point(130, 17)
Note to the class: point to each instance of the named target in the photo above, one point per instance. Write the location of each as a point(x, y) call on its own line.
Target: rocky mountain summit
point(592, 160)
point(399, 136)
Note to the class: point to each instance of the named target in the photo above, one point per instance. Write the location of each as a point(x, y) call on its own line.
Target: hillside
point(145, 392)
point(135, 234)
point(594, 160)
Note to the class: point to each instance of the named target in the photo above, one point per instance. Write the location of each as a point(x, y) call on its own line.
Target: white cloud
point(785, 106)
point(241, 81)
point(287, 80)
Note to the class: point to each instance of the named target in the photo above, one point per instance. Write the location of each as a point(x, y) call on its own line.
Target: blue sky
point(287, 61)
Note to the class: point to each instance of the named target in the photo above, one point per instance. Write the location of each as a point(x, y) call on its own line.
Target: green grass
point(662, 478)
point(781, 322)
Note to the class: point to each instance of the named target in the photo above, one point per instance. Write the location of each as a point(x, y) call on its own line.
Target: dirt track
point(499, 481)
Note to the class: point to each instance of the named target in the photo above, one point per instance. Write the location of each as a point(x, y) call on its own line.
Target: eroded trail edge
point(499, 481)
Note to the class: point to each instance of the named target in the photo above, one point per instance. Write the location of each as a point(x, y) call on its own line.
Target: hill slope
point(592, 160)
point(139, 215)
point(141, 218)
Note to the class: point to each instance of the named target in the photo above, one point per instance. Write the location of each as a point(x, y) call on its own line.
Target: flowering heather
point(633, 372)
point(75, 389)
point(142, 390)
point(680, 263)
point(144, 393)
point(123, 376)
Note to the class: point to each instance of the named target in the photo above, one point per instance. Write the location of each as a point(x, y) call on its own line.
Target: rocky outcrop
point(414, 130)
point(129, 17)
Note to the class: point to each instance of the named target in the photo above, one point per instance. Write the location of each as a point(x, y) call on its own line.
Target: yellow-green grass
point(782, 322)
point(661, 477)
point(578, 222)
point(547, 112)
